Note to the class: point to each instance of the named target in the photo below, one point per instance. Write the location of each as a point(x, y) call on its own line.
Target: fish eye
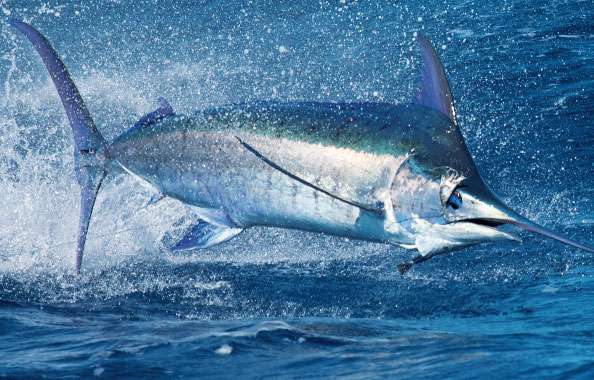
point(455, 200)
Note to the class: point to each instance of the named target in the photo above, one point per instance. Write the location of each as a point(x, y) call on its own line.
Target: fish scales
point(200, 156)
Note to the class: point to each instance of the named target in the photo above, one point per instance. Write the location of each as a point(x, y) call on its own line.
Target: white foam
point(254, 330)
point(224, 350)
point(98, 371)
point(465, 33)
point(549, 289)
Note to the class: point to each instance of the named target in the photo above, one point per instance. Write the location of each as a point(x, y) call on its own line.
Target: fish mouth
point(493, 225)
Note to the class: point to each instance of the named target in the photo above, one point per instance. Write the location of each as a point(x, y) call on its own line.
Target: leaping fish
point(397, 174)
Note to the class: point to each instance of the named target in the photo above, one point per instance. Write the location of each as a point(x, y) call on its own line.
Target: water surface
point(281, 304)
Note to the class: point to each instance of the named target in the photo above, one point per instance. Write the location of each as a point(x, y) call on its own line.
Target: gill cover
point(89, 144)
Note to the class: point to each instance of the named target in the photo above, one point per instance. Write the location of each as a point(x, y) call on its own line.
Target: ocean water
point(277, 304)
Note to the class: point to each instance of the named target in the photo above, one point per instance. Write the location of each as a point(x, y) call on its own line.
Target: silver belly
point(214, 171)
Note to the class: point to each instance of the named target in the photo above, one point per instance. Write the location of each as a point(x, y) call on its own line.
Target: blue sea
point(279, 304)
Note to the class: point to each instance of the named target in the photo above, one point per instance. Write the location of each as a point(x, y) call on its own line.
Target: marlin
point(397, 174)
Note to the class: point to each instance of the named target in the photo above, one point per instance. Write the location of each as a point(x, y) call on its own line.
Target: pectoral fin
point(204, 235)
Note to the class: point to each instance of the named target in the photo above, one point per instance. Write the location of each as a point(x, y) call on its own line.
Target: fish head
point(439, 195)
point(472, 201)
point(440, 207)
point(449, 208)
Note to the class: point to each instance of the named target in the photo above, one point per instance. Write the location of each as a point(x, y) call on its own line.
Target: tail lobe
point(90, 163)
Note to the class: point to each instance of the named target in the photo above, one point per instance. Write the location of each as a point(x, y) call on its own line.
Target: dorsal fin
point(163, 110)
point(434, 89)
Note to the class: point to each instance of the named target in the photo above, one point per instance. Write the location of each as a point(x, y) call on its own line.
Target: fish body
point(362, 152)
point(398, 174)
point(350, 150)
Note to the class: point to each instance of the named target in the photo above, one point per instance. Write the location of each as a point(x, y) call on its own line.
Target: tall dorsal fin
point(434, 89)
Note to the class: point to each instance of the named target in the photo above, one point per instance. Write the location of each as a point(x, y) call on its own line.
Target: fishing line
point(376, 209)
point(101, 235)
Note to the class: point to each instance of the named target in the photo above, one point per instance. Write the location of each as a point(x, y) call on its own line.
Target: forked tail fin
point(90, 161)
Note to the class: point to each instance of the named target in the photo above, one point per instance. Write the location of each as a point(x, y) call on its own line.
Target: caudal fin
point(89, 159)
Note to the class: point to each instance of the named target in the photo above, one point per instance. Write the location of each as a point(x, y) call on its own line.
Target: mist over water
point(286, 304)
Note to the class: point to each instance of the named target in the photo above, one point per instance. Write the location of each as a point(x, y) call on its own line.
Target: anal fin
point(215, 216)
point(204, 235)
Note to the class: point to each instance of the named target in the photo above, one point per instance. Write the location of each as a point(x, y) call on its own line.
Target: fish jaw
point(433, 239)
